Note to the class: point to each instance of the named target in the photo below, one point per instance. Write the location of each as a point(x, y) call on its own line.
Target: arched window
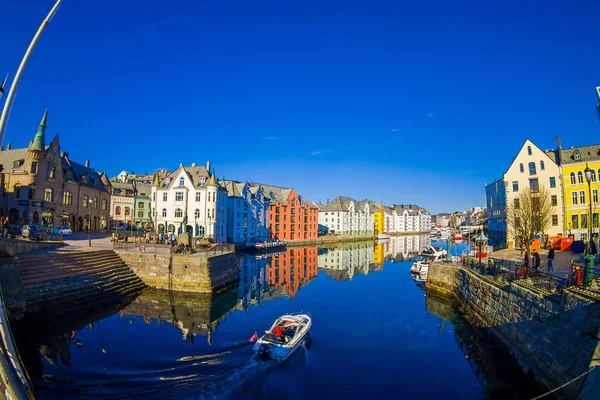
point(164, 212)
point(580, 177)
point(542, 166)
point(532, 169)
point(17, 191)
point(104, 204)
point(181, 181)
point(171, 228)
point(178, 213)
point(572, 176)
point(197, 213)
point(96, 203)
point(127, 211)
point(576, 155)
point(48, 195)
point(521, 167)
point(118, 210)
point(529, 150)
point(86, 201)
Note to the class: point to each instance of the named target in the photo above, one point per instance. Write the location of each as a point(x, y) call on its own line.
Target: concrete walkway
point(562, 259)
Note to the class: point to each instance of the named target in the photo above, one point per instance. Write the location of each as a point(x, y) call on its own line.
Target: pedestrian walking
point(551, 260)
point(536, 261)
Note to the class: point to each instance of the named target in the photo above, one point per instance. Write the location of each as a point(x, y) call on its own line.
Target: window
point(201, 181)
point(554, 200)
point(552, 182)
point(521, 167)
point(574, 198)
point(178, 213)
point(534, 185)
point(293, 210)
point(48, 195)
point(51, 172)
point(95, 203)
point(582, 197)
point(17, 191)
point(197, 213)
point(67, 198)
point(595, 220)
point(277, 210)
point(576, 155)
point(181, 182)
point(34, 167)
point(515, 186)
point(198, 196)
point(532, 169)
point(572, 176)
point(141, 214)
point(164, 212)
point(85, 201)
point(141, 204)
point(554, 220)
point(595, 195)
point(575, 221)
point(516, 204)
point(154, 196)
point(593, 178)
point(584, 220)
point(529, 150)
point(127, 211)
point(277, 218)
point(118, 210)
point(16, 164)
point(276, 227)
point(542, 166)
point(179, 196)
point(165, 196)
point(580, 177)
point(31, 195)
point(293, 202)
point(104, 204)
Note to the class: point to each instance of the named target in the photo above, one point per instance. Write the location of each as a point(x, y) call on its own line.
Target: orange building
point(293, 269)
point(290, 216)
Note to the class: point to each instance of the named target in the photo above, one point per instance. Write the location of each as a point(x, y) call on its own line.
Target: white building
point(191, 200)
point(410, 218)
point(346, 216)
point(345, 262)
point(247, 212)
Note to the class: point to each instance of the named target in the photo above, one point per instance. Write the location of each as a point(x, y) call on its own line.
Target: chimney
point(180, 165)
point(558, 142)
point(208, 166)
point(8, 146)
point(193, 164)
point(65, 155)
point(87, 163)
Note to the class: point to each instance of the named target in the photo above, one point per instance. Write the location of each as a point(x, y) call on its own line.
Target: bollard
point(588, 272)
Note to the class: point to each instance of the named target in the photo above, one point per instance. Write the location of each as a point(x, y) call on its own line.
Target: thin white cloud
point(431, 114)
point(271, 137)
point(317, 152)
point(395, 130)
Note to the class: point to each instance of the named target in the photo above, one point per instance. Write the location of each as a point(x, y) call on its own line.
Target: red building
point(290, 216)
point(293, 269)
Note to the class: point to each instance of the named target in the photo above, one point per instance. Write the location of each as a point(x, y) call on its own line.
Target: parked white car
point(65, 230)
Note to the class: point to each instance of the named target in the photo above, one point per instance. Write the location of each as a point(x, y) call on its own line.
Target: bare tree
point(528, 216)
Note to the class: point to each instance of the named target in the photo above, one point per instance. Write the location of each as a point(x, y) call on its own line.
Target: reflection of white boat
point(444, 232)
point(383, 236)
point(287, 334)
point(422, 262)
point(419, 279)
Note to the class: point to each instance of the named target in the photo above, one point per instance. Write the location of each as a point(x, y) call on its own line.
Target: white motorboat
point(287, 334)
point(422, 262)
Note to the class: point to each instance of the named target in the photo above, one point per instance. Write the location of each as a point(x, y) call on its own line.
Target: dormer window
point(576, 155)
point(181, 181)
point(16, 164)
point(201, 181)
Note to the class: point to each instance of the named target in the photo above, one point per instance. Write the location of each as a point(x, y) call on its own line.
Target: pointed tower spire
point(156, 180)
point(39, 140)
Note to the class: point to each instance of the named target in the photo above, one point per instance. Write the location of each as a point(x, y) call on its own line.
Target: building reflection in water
point(404, 248)
point(253, 280)
point(344, 262)
point(288, 271)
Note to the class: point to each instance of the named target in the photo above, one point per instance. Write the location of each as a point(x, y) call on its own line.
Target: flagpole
point(15, 83)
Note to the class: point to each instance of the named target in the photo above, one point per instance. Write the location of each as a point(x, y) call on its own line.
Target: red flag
point(254, 338)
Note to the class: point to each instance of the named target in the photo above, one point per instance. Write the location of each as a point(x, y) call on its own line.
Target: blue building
point(495, 194)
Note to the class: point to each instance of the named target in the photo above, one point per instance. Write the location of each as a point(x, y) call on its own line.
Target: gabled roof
point(234, 189)
point(586, 154)
point(193, 173)
point(276, 193)
point(340, 203)
point(143, 189)
point(82, 175)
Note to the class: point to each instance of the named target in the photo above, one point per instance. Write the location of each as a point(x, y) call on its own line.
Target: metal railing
point(151, 248)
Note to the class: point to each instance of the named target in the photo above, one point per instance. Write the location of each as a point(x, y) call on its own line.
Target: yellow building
point(577, 192)
point(378, 253)
point(378, 220)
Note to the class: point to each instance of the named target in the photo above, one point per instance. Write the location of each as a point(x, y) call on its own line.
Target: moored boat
point(287, 334)
point(422, 262)
point(383, 236)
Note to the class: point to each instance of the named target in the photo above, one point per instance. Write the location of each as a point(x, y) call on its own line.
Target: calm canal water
point(375, 334)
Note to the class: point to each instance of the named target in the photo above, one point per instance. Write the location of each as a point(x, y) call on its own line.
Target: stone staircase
point(75, 281)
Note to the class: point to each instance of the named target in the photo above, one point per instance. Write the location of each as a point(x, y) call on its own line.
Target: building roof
point(81, 174)
point(276, 193)
point(234, 189)
point(586, 154)
point(8, 157)
point(340, 203)
point(143, 189)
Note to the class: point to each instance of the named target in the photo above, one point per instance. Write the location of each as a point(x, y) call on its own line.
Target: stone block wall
point(185, 273)
point(17, 246)
point(442, 279)
point(12, 287)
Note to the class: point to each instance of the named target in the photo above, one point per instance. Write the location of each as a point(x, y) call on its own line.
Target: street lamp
point(481, 239)
point(90, 201)
point(588, 178)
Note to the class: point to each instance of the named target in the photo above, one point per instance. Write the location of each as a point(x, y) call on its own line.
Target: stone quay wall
point(184, 273)
point(18, 246)
point(12, 287)
point(553, 337)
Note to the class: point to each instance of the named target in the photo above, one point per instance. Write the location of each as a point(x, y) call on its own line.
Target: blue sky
point(414, 102)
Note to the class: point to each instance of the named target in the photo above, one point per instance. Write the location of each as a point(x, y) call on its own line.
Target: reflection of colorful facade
point(402, 248)
point(378, 219)
point(344, 262)
point(379, 253)
point(253, 280)
point(293, 268)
